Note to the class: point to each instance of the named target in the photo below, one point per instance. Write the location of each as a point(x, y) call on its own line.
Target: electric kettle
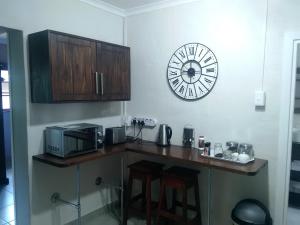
point(164, 135)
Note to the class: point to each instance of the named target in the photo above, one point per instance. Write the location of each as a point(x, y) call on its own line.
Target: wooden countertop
point(149, 148)
point(60, 162)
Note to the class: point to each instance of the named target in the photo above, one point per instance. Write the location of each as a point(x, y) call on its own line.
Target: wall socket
point(148, 121)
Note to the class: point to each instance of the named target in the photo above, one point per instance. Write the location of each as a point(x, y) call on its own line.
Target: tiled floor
point(107, 220)
point(293, 216)
point(7, 214)
point(107, 216)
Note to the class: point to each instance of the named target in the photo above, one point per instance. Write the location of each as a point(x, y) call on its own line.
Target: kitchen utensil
point(164, 135)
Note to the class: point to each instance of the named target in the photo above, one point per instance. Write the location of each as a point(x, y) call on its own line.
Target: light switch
point(260, 98)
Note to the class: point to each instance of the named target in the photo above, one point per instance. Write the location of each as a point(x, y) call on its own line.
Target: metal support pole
point(122, 191)
point(209, 196)
point(55, 197)
point(78, 194)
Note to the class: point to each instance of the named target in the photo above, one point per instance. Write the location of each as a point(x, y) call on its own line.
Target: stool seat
point(145, 166)
point(179, 179)
point(181, 171)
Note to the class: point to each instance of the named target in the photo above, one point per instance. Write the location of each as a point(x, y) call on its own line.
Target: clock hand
point(185, 67)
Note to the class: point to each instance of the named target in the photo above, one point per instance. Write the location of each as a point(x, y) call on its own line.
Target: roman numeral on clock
point(210, 70)
point(181, 90)
point(192, 50)
point(172, 73)
point(207, 80)
point(207, 60)
point(190, 92)
point(175, 82)
point(181, 53)
point(200, 89)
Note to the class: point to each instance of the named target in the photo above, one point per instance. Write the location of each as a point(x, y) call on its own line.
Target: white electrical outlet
point(148, 121)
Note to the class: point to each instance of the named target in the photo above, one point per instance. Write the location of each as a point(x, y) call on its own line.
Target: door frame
point(19, 136)
point(288, 82)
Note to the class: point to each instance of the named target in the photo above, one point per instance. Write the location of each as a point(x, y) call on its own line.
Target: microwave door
point(79, 141)
point(89, 143)
point(70, 144)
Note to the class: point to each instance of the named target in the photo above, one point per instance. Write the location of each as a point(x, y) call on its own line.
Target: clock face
point(192, 71)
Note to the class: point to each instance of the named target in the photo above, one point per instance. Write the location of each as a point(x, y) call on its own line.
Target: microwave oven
point(74, 139)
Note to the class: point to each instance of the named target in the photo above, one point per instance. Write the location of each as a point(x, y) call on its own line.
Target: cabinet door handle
point(102, 87)
point(97, 83)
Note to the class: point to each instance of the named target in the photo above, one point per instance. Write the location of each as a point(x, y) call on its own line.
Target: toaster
point(115, 135)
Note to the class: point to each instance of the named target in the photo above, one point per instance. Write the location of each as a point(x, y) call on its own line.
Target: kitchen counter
point(149, 148)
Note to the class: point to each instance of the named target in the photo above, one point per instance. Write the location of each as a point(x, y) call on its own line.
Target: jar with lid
point(231, 150)
point(246, 152)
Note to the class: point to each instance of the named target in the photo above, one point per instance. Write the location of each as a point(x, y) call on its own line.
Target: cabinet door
point(73, 62)
point(113, 66)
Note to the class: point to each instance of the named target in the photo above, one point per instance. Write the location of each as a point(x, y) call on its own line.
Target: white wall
point(76, 18)
point(235, 32)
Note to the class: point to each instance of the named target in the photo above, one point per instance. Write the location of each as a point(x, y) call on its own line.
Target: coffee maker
point(188, 137)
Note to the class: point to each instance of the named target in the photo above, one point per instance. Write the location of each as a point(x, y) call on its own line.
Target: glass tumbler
point(231, 148)
point(218, 150)
point(246, 152)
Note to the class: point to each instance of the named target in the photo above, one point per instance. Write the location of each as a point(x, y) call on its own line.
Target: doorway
point(7, 206)
point(15, 74)
point(293, 212)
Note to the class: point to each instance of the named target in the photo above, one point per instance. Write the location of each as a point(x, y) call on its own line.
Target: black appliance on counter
point(74, 139)
point(115, 135)
point(188, 137)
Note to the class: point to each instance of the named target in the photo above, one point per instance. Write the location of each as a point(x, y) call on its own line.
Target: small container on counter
point(207, 148)
point(246, 152)
point(218, 150)
point(201, 144)
point(231, 150)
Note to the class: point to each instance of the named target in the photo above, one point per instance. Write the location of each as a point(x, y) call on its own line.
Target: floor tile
point(293, 216)
point(7, 213)
point(6, 198)
point(2, 222)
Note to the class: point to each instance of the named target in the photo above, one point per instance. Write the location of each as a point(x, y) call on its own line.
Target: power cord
point(134, 123)
point(141, 125)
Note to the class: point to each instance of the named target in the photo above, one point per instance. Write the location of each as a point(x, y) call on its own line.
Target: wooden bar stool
point(146, 172)
point(179, 179)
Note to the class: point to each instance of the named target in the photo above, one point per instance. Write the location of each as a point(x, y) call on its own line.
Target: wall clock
point(192, 71)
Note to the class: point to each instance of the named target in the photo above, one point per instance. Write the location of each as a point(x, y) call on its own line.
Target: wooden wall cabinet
point(68, 68)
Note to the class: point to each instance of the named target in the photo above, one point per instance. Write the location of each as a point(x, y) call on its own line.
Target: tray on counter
point(228, 160)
